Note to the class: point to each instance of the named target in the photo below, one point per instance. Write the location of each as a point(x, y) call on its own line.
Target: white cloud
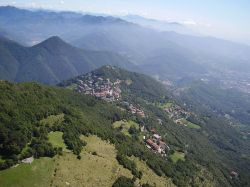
point(33, 4)
point(190, 23)
point(62, 2)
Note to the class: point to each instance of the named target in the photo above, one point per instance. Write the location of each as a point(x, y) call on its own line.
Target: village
point(107, 90)
point(133, 109)
point(99, 87)
point(175, 112)
point(178, 114)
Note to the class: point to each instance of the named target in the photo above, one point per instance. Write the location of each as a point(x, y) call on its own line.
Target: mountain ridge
point(51, 61)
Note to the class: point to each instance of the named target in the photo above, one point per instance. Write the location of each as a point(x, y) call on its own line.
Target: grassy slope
point(125, 126)
point(55, 138)
point(190, 124)
point(37, 174)
point(92, 170)
point(150, 177)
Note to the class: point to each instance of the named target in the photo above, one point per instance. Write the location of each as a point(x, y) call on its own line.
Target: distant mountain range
point(42, 24)
point(51, 61)
point(159, 25)
point(167, 55)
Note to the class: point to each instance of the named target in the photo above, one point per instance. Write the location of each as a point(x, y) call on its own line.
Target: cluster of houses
point(133, 109)
point(176, 112)
point(137, 111)
point(157, 145)
point(234, 174)
point(99, 87)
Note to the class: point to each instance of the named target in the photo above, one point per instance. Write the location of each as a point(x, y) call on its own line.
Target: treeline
point(127, 182)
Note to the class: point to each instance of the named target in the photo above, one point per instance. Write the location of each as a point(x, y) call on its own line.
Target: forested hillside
point(24, 132)
point(215, 145)
point(230, 103)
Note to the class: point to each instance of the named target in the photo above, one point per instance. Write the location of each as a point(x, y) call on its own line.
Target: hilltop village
point(99, 87)
point(105, 89)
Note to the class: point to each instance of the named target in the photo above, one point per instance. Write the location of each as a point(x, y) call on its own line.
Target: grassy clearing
point(53, 119)
point(150, 177)
point(92, 170)
point(72, 86)
point(128, 82)
point(125, 125)
point(37, 174)
point(55, 138)
point(164, 105)
point(1, 159)
point(190, 125)
point(177, 156)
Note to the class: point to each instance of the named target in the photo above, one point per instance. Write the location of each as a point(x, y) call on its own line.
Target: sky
point(228, 19)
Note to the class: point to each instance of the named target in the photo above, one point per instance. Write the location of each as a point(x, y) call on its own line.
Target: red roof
point(152, 144)
point(149, 141)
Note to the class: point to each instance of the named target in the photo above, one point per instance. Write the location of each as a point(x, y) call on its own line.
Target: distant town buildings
point(100, 88)
point(135, 110)
point(176, 112)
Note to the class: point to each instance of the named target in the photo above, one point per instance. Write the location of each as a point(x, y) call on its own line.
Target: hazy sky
point(222, 18)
